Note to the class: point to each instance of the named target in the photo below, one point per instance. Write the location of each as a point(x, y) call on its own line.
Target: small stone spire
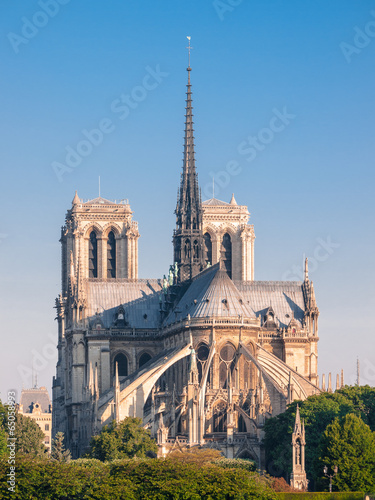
point(76, 200)
point(290, 388)
point(297, 423)
point(329, 389)
point(96, 384)
point(117, 394)
point(342, 378)
point(337, 382)
point(323, 382)
point(312, 297)
point(306, 269)
point(91, 381)
point(233, 200)
point(193, 369)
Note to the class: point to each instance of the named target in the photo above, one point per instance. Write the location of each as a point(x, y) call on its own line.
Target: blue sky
point(309, 186)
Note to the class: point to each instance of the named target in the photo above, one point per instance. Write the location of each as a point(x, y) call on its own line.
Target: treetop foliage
point(58, 451)
point(127, 439)
point(132, 480)
point(349, 444)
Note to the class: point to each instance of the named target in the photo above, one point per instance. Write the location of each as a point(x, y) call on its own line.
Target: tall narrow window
point(226, 253)
point(202, 355)
point(144, 359)
point(93, 255)
point(122, 361)
point(111, 256)
point(207, 248)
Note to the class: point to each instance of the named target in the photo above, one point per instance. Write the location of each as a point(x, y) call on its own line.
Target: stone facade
point(35, 404)
point(220, 219)
point(204, 356)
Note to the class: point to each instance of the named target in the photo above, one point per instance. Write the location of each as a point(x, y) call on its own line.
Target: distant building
point(36, 404)
point(204, 355)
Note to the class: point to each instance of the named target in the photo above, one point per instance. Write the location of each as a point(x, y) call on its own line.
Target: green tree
point(363, 400)
point(29, 437)
point(126, 439)
point(350, 444)
point(58, 451)
point(3, 442)
point(3, 415)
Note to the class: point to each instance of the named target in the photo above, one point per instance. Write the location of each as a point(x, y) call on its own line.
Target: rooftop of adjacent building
point(37, 397)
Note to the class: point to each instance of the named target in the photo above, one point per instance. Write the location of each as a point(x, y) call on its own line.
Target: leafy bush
point(126, 439)
point(131, 480)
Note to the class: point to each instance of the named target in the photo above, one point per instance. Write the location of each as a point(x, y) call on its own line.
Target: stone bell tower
point(99, 241)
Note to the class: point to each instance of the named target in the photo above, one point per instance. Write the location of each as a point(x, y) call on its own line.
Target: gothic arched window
point(144, 359)
point(93, 255)
point(111, 255)
point(122, 361)
point(226, 253)
point(202, 355)
point(227, 354)
point(220, 418)
point(207, 248)
point(241, 424)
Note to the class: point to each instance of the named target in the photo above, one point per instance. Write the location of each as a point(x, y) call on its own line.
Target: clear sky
point(307, 178)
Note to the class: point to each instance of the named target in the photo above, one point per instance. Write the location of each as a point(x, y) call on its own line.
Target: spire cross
point(189, 48)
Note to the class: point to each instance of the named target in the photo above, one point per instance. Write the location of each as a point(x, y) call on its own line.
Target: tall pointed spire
point(117, 395)
point(188, 237)
point(298, 478)
point(297, 423)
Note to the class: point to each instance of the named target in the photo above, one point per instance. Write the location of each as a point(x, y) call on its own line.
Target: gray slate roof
point(285, 297)
point(212, 293)
point(213, 202)
point(140, 298)
point(31, 396)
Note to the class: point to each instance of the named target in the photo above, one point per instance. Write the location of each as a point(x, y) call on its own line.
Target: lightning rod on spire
point(189, 47)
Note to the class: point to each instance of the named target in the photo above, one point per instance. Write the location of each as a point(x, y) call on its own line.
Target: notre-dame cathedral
point(203, 356)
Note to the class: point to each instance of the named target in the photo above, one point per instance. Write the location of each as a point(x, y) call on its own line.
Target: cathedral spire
point(188, 237)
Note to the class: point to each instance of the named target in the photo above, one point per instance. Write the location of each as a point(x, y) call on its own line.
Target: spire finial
point(189, 47)
point(306, 269)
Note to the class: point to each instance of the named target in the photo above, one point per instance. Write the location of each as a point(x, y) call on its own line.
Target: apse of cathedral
point(203, 356)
